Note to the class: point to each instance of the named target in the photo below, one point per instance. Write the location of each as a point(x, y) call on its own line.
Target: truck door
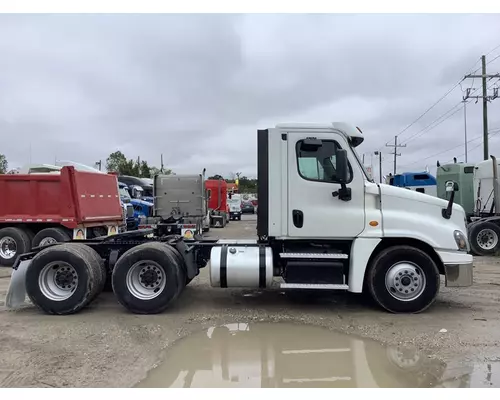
point(313, 210)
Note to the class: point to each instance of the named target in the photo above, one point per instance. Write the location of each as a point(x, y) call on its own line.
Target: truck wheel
point(103, 273)
point(50, 236)
point(147, 278)
point(13, 242)
point(484, 238)
point(403, 279)
point(62, 279)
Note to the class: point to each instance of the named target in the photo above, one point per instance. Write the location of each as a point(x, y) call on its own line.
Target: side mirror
point(342, 167)
point(451, 187)
point(342, 172)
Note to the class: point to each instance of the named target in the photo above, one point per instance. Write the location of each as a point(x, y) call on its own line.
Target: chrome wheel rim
point(46, 241)
point(58, 280)
point(8, 248)
point(146, 280)
point(487, 239)
point(405, 281)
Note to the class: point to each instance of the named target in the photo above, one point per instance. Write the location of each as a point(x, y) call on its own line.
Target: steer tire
point(477, 248)
point(84, 264)
point(127, 273)
point(58, 234)
point(405, 259)
point(22, 241)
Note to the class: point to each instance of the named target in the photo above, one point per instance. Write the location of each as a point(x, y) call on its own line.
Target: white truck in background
point(330, 227)
point(235, 202)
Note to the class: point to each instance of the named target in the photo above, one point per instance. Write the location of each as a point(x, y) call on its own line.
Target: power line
point(430, 127)
point(437, 102)
point(493, 132)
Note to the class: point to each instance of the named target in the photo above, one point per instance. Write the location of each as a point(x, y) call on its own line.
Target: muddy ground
point(105, 346)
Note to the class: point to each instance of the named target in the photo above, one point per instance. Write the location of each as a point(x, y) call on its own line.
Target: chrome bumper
point(458, 268)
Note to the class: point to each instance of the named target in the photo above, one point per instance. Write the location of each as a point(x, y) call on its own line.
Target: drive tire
point(85, 266)
point(407, 260)
point(57, 234)
point(478, 229)
point(20, 238)
point(166, 266)
point(103, 274)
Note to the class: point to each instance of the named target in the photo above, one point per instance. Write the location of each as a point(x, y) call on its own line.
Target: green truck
point(463, 174)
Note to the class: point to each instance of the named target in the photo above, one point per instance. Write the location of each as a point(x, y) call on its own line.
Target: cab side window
point(319, 164)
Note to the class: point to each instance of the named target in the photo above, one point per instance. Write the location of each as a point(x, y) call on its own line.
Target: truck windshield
point(365, 172)
point(124, 194)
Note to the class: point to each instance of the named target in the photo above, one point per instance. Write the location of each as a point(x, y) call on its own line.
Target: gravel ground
point(105, 346)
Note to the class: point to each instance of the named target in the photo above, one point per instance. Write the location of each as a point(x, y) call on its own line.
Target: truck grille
point(130, 210)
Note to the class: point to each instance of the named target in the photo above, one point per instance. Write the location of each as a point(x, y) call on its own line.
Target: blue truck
point(141, 207)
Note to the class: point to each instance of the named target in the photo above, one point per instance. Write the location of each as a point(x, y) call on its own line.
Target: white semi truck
point(322, 224)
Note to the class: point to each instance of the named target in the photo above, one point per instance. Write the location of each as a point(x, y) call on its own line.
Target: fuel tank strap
point(223, 266)
point(262, 266)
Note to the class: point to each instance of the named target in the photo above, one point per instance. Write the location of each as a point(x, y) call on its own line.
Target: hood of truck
point(407, 213)
point(142, 202)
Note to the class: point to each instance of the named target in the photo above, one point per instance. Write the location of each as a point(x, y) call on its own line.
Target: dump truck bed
point(70, 198)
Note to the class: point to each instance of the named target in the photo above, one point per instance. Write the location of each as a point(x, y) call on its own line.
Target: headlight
point(461, 240)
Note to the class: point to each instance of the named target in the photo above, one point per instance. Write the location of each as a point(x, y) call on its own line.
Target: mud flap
point(16, 294)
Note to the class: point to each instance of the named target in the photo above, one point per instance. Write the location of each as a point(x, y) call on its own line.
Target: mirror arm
point(446, 212)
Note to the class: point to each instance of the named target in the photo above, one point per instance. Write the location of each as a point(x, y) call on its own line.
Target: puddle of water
point(286, 355)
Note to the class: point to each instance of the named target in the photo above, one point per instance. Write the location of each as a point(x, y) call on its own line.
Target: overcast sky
point(197, 87)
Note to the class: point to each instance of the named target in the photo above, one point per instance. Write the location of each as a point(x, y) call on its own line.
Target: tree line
point(117, 162)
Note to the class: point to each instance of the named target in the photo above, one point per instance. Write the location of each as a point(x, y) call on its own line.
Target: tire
point(49, 236)
point(406, 263)
point(166, 278)
point(484, 238)
point(103, 273)
point(51, 298)
point(13, 242)
point(239, 217)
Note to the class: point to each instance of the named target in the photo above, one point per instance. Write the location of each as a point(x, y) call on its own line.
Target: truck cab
point(330, 225)
point(422, 182)
point(138, 187)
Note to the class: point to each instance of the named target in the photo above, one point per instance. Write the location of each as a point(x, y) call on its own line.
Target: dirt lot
point(105, 346)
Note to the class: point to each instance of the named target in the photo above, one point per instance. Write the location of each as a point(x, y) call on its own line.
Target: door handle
point(298, 218)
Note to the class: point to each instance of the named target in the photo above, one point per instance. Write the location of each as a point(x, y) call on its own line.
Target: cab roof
point(352, 132)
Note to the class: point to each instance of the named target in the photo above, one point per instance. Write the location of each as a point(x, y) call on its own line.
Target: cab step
point(328, 256)
point(314, 286)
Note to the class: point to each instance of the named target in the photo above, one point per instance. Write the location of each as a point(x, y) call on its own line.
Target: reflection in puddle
point(285, 355)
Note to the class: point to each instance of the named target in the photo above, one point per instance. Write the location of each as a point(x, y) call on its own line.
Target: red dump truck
point(39, 209)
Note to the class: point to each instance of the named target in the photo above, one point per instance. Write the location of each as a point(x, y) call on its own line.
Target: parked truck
point(217, 202)
point(38, 209)
point(422, 182)
point(322, 224)
point(478, 193)
point(180, 205)
point(139, 188)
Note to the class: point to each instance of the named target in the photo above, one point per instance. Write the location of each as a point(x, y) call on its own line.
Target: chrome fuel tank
point(241, 265)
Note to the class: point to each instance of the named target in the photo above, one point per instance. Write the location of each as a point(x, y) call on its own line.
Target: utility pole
point(99, 163)
point(396, 154)
point(379, 154)
point(485, 98)
point(465, 127)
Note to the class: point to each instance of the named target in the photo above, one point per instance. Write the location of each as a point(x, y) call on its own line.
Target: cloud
point(195, 88)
